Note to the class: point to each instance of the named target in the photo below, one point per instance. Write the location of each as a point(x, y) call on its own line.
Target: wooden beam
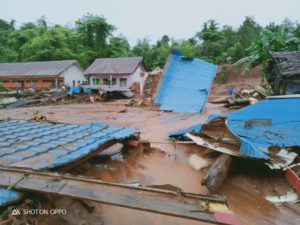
point(217, 173)
point(163, 201)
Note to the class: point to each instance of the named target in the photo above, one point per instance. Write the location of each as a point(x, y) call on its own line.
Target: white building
point(115, 73)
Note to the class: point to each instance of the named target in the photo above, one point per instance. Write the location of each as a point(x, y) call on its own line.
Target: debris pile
point(244, 97)
point(77, 94)
point(267, 131)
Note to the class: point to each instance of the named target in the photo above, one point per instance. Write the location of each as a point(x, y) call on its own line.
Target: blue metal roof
point(283, 131)
point(43, 145)
point(9, 196)
point(179, 134)
point(185, 84)
point(255, 140)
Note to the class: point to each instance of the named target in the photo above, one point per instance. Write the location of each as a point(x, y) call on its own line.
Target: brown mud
point(245, 187)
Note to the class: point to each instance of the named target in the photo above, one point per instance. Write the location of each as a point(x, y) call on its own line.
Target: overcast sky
point(153, 18)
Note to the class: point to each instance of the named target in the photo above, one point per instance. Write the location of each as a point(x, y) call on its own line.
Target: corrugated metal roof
point(124, 65)
point(8, 196)
point(185, 84)
point(273, 122)
point(283, 131)
point(29, 69)
point(179, 134)
point(42, 145)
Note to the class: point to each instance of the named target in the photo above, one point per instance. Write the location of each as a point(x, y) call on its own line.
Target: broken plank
point(217, 173)
point(168, 202)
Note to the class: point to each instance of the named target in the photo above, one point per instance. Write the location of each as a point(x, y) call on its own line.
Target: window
point(106, 81)
point(4, 81)
point(73, 83)
point(94, 81)
point(123, 82)
point(48, 81)
point(114, 81)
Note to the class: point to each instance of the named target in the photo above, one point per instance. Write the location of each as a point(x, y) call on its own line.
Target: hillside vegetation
point(92, 37)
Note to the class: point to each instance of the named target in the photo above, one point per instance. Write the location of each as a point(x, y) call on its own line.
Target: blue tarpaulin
point(43, 145)
point(74, 90)
point(185, 84)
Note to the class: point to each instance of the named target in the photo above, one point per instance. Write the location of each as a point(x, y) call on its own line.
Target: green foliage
point(279, 38)
point(92, 37)
point(2, 88)
point(222, 78)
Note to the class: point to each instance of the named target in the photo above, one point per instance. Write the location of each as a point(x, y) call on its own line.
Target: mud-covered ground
point(165, 163)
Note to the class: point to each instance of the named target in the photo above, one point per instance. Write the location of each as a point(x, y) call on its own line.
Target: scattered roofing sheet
point(179, 134)
point(30, 69)
point(185, 84)
point(43, 145)
point(8, 196)
point(22, 102)
point(263, 130)
point(125, 65)
point(6, 101)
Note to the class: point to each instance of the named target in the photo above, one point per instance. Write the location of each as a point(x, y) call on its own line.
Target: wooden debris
point(157, 200)
point(217, 173)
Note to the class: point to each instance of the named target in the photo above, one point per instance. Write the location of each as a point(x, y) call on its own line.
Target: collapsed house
point(30, 152)
point(47, 74)
point(285, 72)
point(185, 84)
point(268, 130)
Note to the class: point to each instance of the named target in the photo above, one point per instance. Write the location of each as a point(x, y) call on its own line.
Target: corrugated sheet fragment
point(185, 84)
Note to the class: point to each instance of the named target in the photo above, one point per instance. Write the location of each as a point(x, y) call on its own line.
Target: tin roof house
point(115, 73)
point(285, 72)
point(43, 74)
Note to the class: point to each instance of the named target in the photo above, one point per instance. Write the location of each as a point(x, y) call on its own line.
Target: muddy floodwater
point(165, 163)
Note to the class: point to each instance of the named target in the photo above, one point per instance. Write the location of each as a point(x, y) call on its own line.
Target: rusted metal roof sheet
point(124, 65)
point(288, 62)
point(43, 145)
point(31, 69)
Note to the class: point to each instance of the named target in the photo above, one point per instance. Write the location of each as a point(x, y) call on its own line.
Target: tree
point(144, 49)
point(249, 31)
point(93, 33)
point(118, 47)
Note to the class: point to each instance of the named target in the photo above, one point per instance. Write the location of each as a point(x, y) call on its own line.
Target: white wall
point(73, 72)
point(131, 78)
